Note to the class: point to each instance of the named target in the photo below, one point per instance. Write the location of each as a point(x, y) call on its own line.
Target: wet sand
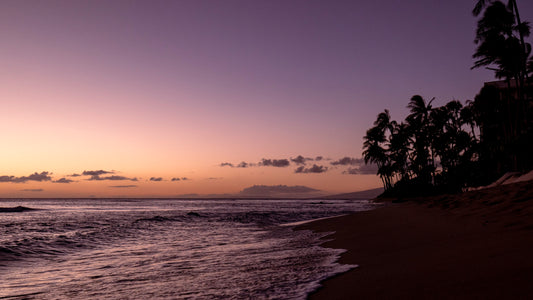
point(477, 245)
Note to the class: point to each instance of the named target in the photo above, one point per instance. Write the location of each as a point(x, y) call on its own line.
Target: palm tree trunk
point(523, 72)
point(510, 135)
point(518, 22)
point(473, 132)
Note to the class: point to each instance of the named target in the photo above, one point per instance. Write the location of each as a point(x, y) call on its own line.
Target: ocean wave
point(165, 249)
point(15, 209)
point(155, 219)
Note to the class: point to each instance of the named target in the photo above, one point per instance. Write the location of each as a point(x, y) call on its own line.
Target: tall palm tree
point(469, 116)
point(399, 147)
point(454, 108)
point(523, 29)
point(384, 122)
point(419, 109)
point(418, 121)
point(374, 152)
point(449, 150)
point(439, 118)
point(498, 45)
point(451, 145)
point(480, 4)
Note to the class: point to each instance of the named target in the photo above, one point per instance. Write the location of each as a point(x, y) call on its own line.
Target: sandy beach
point(476, 245)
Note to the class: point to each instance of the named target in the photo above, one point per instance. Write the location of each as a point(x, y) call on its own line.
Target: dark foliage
point(432, 149)
point(446, 149)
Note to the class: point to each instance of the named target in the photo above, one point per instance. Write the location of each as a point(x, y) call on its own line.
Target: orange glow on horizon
point(214, 180)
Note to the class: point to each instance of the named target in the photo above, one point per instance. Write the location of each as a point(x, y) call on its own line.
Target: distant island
point(279, 191)
point(286, 192)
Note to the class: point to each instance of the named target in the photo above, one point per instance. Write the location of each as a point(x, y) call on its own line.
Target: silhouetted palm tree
point(399, 147)
point(523, 28)
point(469, 116)
point(418, 121)
point(384, 123)
point(407, 152)
point(374, 152)
point(451, 141)
point(497, 44)
point(374, 145)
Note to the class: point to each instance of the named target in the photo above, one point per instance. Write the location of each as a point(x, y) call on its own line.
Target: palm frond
point(479, 7)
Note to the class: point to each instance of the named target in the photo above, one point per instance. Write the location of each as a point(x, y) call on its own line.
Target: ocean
point(165, 249)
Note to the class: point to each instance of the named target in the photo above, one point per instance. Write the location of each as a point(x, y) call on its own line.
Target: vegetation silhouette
point(433, 147)
point(449, 148)
point(501, 48)
point(521, 27)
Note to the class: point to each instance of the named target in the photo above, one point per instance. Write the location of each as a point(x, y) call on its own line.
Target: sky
point(166, 98)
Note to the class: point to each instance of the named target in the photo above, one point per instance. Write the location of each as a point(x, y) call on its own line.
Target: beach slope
point(477, 245)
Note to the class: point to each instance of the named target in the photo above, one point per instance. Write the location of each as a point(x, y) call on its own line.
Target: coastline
point(472, 245)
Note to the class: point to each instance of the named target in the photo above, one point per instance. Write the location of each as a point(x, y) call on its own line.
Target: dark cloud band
point(63, 180)
point(96, 173)
point(313, 169)
point(43, 176)
point(347, 161)
point(179, 179)
point(112, 177)
point(279, 163)
point(364, 169)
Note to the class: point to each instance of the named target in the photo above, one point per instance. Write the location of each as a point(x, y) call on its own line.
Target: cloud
point(179, 179)
point(283, 162)
point(345, 161)
point(313, 169)
point(43, 176)
point(112, 177)
point(32, 190)
point(300, 160)
point(74, 175)
point(364, 169)
point(63, 180)
point(244, 165)
point(214, 178)
point(6, 178)
point(97, 173)
point(156, 179)
point(280, 163)
point(352, 171)
point(123, 186)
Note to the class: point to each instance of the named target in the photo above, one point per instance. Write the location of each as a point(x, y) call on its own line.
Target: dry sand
point(477, 245)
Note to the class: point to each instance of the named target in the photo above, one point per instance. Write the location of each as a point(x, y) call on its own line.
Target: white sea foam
point(309, 221)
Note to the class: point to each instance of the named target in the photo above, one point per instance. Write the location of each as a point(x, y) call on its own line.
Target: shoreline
point(472, 245)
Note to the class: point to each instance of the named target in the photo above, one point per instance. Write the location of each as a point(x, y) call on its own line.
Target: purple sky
point(215, 81)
